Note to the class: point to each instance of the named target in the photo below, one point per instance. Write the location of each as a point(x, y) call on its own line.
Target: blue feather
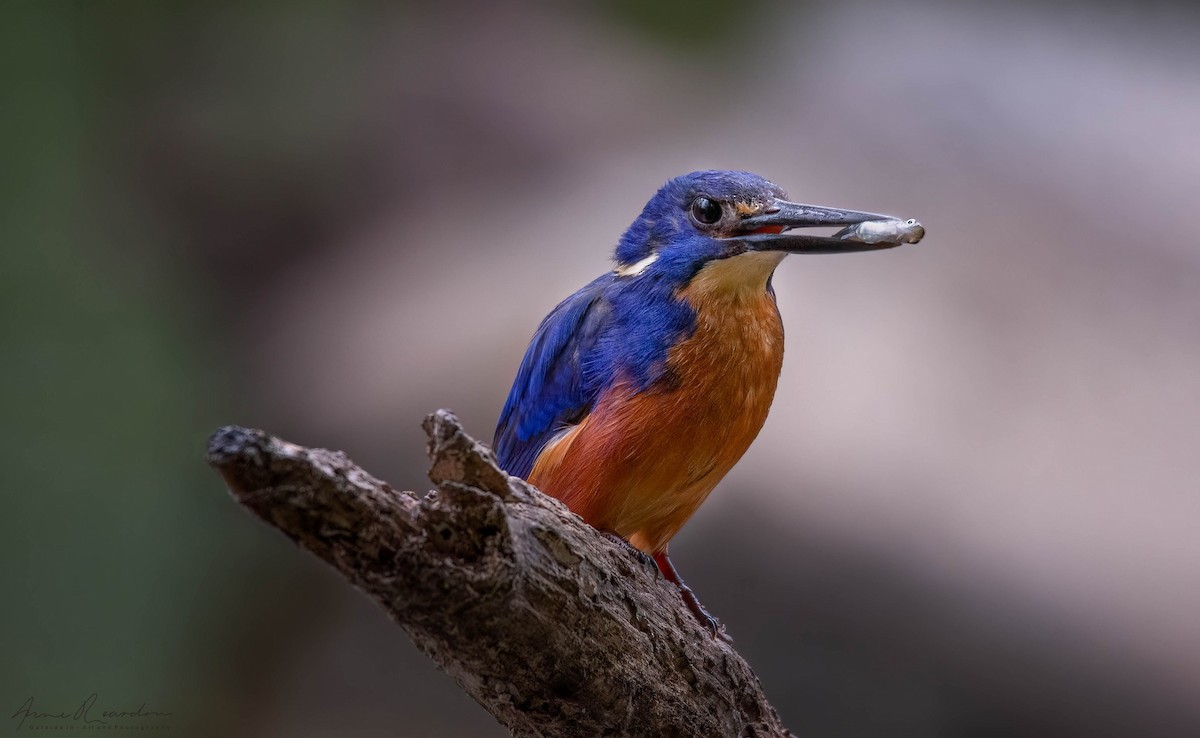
point(614, 328)
point(550, 390)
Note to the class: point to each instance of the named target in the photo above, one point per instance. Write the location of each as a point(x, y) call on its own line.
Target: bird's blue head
point(712, 215)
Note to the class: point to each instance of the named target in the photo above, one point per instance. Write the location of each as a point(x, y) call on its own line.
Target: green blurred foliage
point(111, 383)
point(701, 25)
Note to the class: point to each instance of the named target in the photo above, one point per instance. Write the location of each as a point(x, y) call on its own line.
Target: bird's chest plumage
point(645, 458)
point(721, 381)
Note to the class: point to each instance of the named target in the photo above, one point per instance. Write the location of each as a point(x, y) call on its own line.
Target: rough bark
point(555, 629)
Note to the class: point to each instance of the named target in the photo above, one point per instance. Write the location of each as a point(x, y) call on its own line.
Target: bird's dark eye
point(706, 211)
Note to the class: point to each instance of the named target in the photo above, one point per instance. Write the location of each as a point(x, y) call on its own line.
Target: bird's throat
point(737, 277)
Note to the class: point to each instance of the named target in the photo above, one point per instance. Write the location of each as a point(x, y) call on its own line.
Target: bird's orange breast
point(642, 462)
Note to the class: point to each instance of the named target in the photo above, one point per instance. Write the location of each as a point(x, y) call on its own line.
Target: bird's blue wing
point(559, 380)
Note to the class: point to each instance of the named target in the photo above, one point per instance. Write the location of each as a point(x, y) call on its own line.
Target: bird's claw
point(706, 619)
point(641, 555)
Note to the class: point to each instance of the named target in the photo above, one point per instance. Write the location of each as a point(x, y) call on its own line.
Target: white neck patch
point(636, 268)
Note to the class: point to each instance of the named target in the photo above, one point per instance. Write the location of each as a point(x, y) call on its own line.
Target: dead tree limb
point(556, 630)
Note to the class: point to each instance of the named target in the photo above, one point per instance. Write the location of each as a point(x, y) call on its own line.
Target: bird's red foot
point(705, 619)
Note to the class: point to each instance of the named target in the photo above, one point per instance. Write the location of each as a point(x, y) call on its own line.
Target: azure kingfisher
point(639, 392)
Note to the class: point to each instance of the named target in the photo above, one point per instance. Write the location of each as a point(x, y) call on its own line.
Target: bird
point(638, 393)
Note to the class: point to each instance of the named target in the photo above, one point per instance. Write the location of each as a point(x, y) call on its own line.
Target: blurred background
point(973, 510)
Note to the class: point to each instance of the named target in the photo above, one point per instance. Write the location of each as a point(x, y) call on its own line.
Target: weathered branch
point(553, 628)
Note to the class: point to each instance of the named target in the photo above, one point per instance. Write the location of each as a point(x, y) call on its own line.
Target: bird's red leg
point(689, 597)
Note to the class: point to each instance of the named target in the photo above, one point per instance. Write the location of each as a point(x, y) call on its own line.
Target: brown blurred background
point(973, 511)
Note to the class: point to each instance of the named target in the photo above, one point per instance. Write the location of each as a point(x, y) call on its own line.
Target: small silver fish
point(883, 231)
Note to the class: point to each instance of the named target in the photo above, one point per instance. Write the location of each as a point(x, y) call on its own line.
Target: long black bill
point(782, 213)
